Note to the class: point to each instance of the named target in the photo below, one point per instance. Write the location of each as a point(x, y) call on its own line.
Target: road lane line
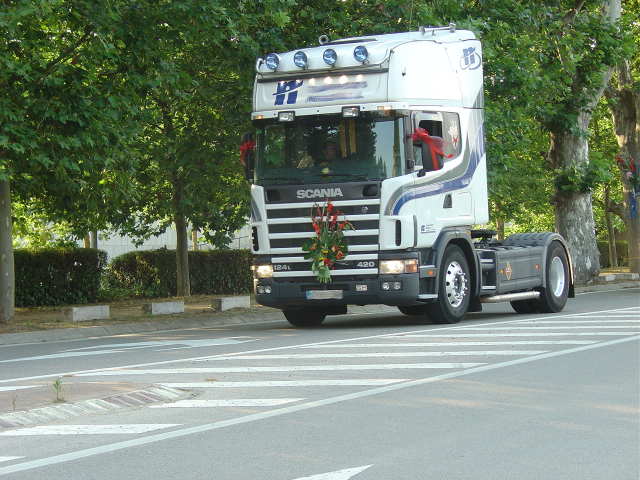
point(286, 368)
point(286, 347)
point(453, 344)
point(556, 322)
point(18, 387)
point(287, 383)
point(88, 429)
point(113, 447)
point(518, 334)
point(553, 327)
point(231, 402)
point(344, 474)
point(300, 356)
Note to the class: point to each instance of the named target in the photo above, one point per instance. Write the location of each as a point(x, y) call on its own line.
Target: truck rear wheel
point(304, 318)
point(554, 296)
point(454, 287)
point(414, 310)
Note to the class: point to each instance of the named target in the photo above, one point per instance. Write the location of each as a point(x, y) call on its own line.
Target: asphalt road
point(378, 396)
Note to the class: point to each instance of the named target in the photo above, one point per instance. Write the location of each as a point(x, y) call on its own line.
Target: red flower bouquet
point(329, 244)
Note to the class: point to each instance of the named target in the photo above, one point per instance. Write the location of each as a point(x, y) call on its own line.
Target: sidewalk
point(198, 314)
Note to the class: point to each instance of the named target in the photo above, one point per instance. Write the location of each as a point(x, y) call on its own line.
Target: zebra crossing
point(231, 387)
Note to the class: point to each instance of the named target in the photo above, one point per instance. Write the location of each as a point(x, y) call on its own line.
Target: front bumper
point(293, 293)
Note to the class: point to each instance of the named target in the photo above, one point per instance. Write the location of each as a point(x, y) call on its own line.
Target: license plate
point(324, 294)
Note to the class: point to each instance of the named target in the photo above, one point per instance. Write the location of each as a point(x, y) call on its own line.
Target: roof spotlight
point(300, 59)
point(360, 53)
point(272, 61)
point(330, 56)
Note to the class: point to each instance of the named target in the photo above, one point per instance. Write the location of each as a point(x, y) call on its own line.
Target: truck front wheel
point(553, 297)
point(304, 318)
point(454, 287)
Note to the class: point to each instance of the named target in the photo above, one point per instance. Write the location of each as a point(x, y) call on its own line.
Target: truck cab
point(389, 129)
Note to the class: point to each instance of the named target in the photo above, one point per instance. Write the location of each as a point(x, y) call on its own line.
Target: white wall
point(116, 245)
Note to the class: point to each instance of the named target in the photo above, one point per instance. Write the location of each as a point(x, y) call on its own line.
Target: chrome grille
point(289, 225)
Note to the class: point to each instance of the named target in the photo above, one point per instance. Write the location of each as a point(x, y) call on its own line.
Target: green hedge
point(621, 250)
point(58, 276)
point(152, 273)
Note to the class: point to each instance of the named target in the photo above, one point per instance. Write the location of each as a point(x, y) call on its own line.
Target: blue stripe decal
point(475, 156)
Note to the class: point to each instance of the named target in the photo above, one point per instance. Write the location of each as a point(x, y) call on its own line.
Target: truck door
point(445, 202)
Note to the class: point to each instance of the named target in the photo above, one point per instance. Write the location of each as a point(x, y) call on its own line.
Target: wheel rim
point(455, 284)
point(556, 276)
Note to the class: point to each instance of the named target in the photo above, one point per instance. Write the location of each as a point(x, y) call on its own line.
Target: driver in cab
point(327, 157)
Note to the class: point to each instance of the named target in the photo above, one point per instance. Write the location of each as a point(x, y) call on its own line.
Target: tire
point(414, 310)
point(454, 288)
point(526, 306)
point(304, 318)
point(554, 296)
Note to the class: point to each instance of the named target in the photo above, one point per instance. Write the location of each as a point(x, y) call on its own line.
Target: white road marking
point(54, 356)
point(20, 387)
point(286, 347)
point(453, 344)
point(232, 402)
point(553, 327)
point(286, 383)
point(87, 429)
point(297, 356)
point(557, 322)
point(345, 474)
point(207, 427)
point(584, 315)
point(126, 347)
point(190, 343)
point(286, 368)
point(8, 459)
point(516, 334)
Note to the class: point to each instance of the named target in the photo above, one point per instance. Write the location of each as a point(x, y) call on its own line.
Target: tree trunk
point(194, 239)
point(87, 240)
point(94, 239)
point(574, 211)
point(611, 234)
point(624, 104)
point(7, 272)
point(182, 256)
point(500, 228)
point(183, 284)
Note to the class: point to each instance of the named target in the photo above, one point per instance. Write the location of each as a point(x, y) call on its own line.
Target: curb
point(65, 411)
point(252, 316)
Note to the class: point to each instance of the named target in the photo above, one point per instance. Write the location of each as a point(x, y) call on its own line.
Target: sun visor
point(324, 89)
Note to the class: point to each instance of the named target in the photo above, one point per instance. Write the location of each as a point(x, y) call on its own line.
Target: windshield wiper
point(350, 175)
point(287, 179)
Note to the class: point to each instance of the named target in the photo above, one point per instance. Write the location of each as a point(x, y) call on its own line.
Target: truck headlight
point(396, 267)
point(264, 271)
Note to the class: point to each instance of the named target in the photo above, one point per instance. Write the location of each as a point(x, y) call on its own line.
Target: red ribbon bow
point(434, 143)
point(245, 148)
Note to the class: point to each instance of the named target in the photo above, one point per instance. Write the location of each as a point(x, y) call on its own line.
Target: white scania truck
point(337, 122)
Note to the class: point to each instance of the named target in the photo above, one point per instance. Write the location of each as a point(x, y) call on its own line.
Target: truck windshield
point(330, 148)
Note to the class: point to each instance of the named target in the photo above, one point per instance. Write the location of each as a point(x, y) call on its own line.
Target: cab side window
point(445, 125)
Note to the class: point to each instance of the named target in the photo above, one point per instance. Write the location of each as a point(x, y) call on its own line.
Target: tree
point(623, 99)
point(65, 110)
point(199, 66)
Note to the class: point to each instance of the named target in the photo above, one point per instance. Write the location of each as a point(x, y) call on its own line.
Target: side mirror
point(430, 150)
point(432, 160)
point(247, 155)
